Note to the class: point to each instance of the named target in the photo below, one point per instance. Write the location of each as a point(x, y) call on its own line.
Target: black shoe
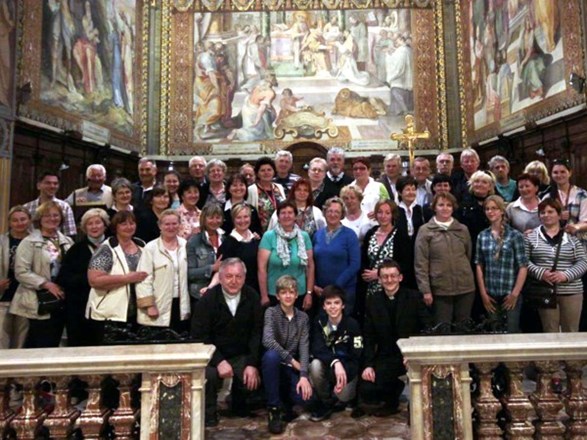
point(387, 411)
point(357, 412)
point(211, 421)
point(323, 412)
point(339, 406)
point(275, 422)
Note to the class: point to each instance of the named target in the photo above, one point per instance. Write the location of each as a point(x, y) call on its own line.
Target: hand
point(488, 302)
point(54, 289)
point(428, 299)
point(571, 229)
point(137, 277)
point(368, 374)
point(203, 291)
point(558, 277)
point(565, 215)
point(307, 304)
point(152, 312)
point(318, 290)
point(304, 388)
point(251, 378)
point(224, 370)
point(371, 215)
point(547, 276)
point(369, 275)
point(528, 231)
point(341, 379)
point(4, 284)
point(216, 265)
point(510, 301)
point(265, 300)
point(295, 365)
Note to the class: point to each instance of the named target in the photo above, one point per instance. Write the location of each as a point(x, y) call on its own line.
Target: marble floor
point(339, 426)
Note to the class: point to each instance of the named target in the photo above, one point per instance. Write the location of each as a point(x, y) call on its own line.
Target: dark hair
point(440, 178)
point(264, 161)
point(185, 185)
point(121, 217)
point(287, 204)
point(175, 173)
point(404, 181)
point(388, 263)
point(363, 160)
point(291, 195)
point(553, 203)
point(331, 292)
point(563, 162)
point(236, 177)
point(45, 174)
point(532, 179)
point(159, 191)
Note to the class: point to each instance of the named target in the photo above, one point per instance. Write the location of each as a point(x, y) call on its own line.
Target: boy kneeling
point(286, 337)
point(336, 347)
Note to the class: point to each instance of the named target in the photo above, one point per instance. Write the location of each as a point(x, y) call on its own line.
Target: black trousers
point(387, 386)
point(46, 333)
point(238, 392)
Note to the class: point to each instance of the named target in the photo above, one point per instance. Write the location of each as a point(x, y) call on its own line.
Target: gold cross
point(410, 136)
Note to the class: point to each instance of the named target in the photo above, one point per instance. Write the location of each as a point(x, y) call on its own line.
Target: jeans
point(280, 382)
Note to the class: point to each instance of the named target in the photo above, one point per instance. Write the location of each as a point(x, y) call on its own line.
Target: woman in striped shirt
point(540, 247)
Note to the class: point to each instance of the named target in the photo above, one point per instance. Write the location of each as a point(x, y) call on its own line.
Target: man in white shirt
point(95, 195)
point(421, 172)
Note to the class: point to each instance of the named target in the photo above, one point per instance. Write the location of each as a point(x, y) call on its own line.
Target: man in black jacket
point(392, 313)
point(336, 346)
point(335, 177)
point(229, 316)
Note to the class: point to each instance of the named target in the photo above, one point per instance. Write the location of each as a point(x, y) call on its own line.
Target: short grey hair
point(284, 153)
point(95, 166)
point(215, 163)
point(319, 160)
point(233, 261)
point(392, 156)
point(498, 159)
point(470, 152)
point(119, 183)
point(143, 160)
point(195, 158)
point(444, 153)
point(334, 150)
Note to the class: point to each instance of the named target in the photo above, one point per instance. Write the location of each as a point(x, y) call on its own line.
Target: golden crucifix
point(410, 136)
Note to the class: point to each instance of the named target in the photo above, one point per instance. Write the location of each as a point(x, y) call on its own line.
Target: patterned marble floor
point(339, 426)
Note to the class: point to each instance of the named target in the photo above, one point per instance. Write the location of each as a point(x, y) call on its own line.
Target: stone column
point(416, 408)
point(198, 404)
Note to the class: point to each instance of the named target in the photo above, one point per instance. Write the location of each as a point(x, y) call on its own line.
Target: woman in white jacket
point(162, 297)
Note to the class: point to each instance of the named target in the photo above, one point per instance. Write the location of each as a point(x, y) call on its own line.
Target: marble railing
point(465, 387)
point(101, 392)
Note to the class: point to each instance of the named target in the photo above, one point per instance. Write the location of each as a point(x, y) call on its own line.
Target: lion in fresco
point(351, 104)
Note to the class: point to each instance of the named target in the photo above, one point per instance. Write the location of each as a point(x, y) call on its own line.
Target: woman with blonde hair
point(73, 276)
point(538, 169)
point(355, 218)
point(37, 263)
point(162, 297)
point(501, 267)
point(13, 328)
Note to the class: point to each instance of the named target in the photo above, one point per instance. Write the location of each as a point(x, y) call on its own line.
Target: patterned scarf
point(283, 239)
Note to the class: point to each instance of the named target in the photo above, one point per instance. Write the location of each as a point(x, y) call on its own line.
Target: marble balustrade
point(157, 389)
point(465, 387)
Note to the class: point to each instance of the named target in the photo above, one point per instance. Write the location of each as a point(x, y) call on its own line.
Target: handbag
point(48, 303)
point(539, 294)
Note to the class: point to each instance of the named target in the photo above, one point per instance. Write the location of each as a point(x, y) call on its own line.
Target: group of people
point(302, 284)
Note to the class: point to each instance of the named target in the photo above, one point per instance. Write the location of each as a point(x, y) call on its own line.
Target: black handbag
point(539, 294)
point(48, 303)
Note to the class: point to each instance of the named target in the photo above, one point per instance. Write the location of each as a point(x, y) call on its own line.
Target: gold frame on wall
point(177, 58)
point(30, 71)
point(574, 61)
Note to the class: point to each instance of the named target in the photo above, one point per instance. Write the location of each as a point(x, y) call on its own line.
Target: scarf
point(283, 246)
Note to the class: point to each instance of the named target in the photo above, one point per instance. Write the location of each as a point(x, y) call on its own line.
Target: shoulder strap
point(558, 251)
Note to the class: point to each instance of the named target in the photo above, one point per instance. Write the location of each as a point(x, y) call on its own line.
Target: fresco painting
point(517, 56)
point(7, 45)
point(252, 70)
point(89, 60)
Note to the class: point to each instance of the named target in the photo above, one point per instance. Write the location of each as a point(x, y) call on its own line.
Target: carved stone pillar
point(518, 405)
point(30, 418)
point(6, 414)
point(487, 405)
point(123, 418)
point(60, 421)
point(94, 417)
point(416, 404)
point(575, 401)
point(546, 403)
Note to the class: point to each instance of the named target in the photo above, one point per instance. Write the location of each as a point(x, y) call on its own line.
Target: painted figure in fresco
point(358, 30)
point(547, 17)
point(126, 51)
point(347, 65)
point(532, 64)
point(116, 73)
point(287, 104)
point(228, 84)
point(208, 92)
point(400, 77)
point(257, 114)
point(62, 33)
point(298, 32)
point(315, 52)
point(85, 53)
point(381, 49)
point(6, 50)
